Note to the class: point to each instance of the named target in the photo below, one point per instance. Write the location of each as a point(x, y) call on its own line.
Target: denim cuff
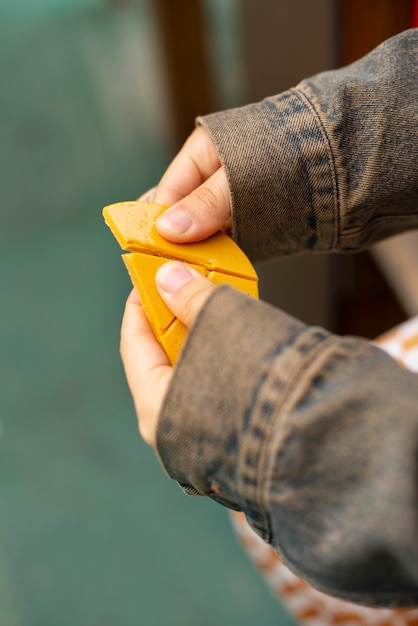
point(214, 432)
point(279, 166)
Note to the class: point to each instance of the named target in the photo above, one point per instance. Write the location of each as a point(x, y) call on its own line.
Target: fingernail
point(177, 221)
point(172, 276)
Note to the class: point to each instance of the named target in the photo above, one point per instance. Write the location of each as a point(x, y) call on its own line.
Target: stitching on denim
point(266, 468)
point(332, 160)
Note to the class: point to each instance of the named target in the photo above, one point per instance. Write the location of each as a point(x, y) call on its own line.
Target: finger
point(148, 196)
point(146, 365)
point(195, 163)
point(203, 212)
point(184, 290)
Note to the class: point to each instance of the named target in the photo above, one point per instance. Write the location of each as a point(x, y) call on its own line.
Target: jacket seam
point(377, 220)
point(265, 470)
point(331, 159)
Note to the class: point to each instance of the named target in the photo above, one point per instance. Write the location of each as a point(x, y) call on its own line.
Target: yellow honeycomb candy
point(218, 258)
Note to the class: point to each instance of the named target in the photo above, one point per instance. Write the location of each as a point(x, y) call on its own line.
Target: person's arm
point(313, 436)
point(328, 165)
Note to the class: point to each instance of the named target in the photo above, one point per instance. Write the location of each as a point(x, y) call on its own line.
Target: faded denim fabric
point(313, 436)
point(330, 164)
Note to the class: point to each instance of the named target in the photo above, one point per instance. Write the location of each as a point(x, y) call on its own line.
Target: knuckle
point(209, 205)
point(213, 199)
point(207, 196)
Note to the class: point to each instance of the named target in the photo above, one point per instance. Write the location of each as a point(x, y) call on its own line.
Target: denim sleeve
point(330, 165)
point(313, 436)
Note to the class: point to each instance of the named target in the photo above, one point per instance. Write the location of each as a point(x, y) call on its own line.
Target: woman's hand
point(196, 188)
point(147, 368)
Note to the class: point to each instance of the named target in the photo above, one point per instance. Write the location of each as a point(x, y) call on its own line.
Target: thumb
point(183, 289)
point(198, 215)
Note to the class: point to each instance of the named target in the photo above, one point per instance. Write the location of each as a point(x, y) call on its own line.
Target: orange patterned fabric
point(306, 605)
point(402, 344)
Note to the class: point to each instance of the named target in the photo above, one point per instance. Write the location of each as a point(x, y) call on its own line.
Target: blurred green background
point(91, 531)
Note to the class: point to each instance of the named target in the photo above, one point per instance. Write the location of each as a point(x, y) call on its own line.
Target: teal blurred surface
point(91, 531)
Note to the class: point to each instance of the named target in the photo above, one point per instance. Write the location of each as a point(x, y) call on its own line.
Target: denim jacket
point(314, 436)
